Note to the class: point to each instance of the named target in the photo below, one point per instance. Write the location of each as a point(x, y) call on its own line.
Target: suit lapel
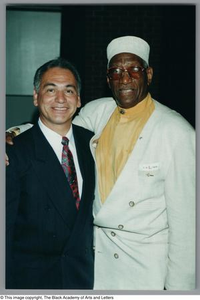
point(84, 159)
point(130, 169)
point(52, 177)
point(81, 154)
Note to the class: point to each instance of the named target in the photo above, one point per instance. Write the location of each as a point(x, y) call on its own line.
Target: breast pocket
point(151, 180)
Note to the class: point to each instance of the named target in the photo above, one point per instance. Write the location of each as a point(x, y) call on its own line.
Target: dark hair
point(60, 63)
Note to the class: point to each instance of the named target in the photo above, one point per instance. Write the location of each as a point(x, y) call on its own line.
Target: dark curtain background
point(170, 31)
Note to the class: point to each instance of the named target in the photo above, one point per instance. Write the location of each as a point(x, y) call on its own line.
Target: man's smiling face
point(128, 91)
point(57, 98)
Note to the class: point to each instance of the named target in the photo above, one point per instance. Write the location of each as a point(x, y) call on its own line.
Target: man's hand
point(6, 160)
point(9, 140)
point(14, 131)
point(9, 137)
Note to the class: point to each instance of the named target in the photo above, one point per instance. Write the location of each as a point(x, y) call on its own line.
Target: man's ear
point(35, 98)
point(149, 72)
point(79, 102)
point(108, 82)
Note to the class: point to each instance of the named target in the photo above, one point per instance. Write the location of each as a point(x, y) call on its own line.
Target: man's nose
point(125, 77)
point(60, 96)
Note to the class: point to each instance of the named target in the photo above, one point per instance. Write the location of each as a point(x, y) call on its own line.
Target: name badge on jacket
point(149, 170)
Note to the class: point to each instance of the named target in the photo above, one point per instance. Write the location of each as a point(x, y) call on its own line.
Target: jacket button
point(116, 255)
point(131, 203)
point(120, 226)
point(95, 143)
point(113, 233)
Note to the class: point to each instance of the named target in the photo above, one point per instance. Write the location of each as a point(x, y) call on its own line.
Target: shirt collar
point(52, 135)
point(133, 111)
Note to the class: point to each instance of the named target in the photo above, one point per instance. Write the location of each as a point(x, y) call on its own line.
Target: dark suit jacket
point(49, 244)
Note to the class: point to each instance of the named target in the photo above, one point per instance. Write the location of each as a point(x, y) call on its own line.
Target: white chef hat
point(129, 44)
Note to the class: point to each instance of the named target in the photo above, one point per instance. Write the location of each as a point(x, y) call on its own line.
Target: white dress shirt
point(55, 140)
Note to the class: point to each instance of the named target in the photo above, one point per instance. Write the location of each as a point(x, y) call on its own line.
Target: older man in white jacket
point(144, 211)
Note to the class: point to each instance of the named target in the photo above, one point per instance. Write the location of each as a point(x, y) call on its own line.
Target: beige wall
point(32, 38)
point(19, 109)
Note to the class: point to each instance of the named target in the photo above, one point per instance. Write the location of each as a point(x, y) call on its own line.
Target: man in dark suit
point(49, 239)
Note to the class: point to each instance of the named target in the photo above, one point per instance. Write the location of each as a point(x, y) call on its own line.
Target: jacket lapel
point(131, 167)
point(82, 160)
point(84, 215)
point(52, 177)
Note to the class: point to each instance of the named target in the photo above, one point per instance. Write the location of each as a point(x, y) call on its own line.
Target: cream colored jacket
point(145, 230)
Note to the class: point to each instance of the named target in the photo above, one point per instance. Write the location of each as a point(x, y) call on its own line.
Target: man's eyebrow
point(53, 84)
point(71, 85)
point(49, 83)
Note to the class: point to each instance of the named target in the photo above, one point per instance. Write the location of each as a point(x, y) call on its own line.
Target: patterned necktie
point(69, 169)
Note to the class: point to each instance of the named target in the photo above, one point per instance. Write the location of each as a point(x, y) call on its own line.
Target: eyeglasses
point(115, 73)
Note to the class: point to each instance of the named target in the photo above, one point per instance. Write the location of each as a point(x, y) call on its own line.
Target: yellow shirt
point(117, 142)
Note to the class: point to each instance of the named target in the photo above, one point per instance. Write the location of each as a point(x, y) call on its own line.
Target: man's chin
point(127, 103)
